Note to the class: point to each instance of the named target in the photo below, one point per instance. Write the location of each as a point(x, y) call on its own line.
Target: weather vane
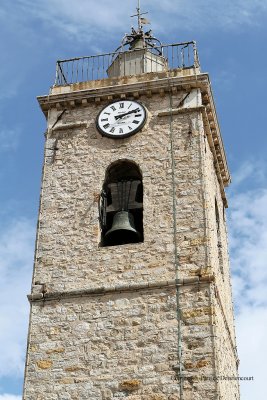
point(141, 21)
point(138, 37)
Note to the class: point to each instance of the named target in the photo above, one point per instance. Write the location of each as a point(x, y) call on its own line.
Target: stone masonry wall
point(125, 345)
point(225, 342)
point(119, 346)
point(68, 253)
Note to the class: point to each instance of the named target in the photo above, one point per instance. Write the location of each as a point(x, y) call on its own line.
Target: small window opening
point(121, 205)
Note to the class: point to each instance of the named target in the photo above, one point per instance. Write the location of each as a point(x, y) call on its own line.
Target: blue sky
point(231, 38)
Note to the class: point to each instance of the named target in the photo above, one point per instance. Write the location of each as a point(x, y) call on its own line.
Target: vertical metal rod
point(188, 56)
point(176, 256)
point(106, 66)
point(139, 15)
point(82, 69)
point(77, 71)
point(57, 75)
point(71, 72)
point(109, 63)
point(129, 192)
point(67, 72)
point(122, 203)
point(122, 195)
point(113, 66)
point(119, 195)
point(93, 68)
point(87, 68)
point(196, 60)
point(130, 64)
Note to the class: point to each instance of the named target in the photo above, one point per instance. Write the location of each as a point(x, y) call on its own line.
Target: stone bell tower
point(131, 294)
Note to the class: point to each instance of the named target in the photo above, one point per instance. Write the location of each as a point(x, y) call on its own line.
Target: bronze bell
point(122, 231)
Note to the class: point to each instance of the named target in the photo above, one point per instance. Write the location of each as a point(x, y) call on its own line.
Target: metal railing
point(82, 69)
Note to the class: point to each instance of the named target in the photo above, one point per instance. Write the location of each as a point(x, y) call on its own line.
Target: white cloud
point(251, 170)
point(248, 245)
point(16, 260)
point(84, 18)
point(252, 349)
point(9, 397)
point(248, 238)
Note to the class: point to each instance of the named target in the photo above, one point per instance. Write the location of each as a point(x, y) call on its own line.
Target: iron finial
point(141, 21)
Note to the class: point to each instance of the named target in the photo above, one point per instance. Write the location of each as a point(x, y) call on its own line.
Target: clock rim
point(122, 136)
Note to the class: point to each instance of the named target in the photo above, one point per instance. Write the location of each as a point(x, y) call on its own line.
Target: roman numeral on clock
point(106, 126)
point(104, 119)
point(121, 105)
point(112, 130)
point(121, 130)
point(135, 122)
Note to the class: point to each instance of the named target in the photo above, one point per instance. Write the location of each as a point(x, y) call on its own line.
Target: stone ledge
point(119, 288)
point(109, 93)
point(175, 111)
point(63, 127)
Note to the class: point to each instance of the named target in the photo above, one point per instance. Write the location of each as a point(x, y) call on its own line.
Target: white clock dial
point(121, 119)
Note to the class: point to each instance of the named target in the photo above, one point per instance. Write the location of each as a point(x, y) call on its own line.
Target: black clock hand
point(129, 112)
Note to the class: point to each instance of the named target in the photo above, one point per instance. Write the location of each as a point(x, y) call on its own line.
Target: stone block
point(130, 385)
point(44, 364)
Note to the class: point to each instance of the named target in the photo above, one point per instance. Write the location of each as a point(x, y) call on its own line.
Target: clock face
point(121, 119)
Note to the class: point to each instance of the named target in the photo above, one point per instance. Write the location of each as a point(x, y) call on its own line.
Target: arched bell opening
point(121, 205)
